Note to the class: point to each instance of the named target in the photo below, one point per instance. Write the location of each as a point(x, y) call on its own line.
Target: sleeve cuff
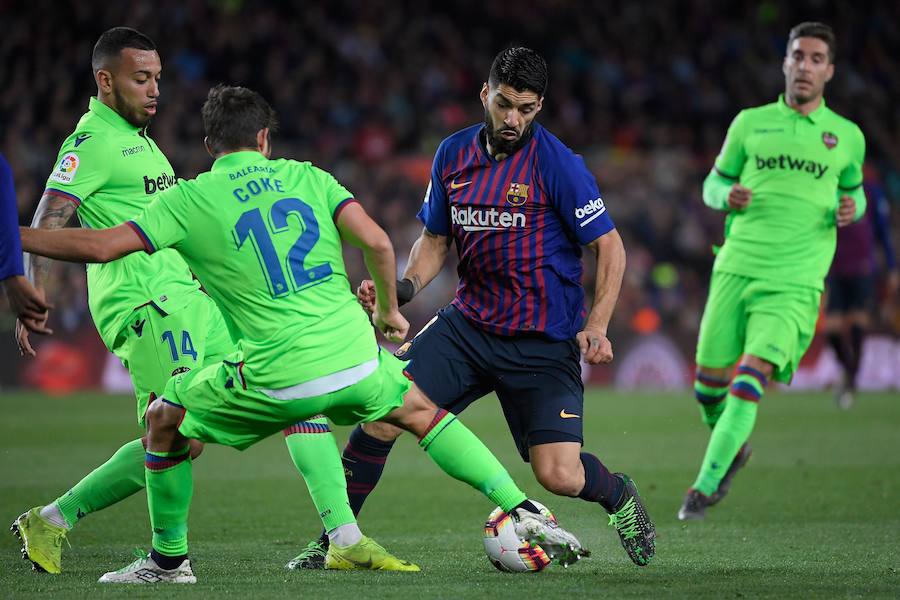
point(341, 206)
point(62, 194)
point(149, 248)
point(722, 173)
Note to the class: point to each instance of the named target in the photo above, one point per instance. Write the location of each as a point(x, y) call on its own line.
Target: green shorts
point(768, 319)
point(221, 407)
point(156, 345)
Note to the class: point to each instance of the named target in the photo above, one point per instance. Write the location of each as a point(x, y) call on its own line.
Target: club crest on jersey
point(829, 139)
point(517, 195)
point(66, 169)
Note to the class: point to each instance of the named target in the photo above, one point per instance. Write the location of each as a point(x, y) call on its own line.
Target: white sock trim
point(345, 535)
point(54, 516)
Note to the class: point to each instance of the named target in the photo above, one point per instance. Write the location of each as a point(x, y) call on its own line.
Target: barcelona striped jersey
point(518, 225)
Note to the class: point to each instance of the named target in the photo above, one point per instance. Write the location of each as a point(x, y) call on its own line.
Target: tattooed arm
point(53, 212)
point(426, 259)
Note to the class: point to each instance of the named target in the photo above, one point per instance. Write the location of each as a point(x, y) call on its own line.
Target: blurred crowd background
point(643, 90)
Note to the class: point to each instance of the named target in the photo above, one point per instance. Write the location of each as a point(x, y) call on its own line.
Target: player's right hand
point(28, 303)
point(392, 324)
point(365, 295)
point(739, 197)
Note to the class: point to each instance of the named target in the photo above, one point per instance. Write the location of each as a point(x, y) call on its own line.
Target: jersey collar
point(815, 116)
point(233, 159)
point(110, 116)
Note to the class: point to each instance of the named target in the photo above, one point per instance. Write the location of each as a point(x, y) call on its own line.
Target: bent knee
point(196, 448)
point(560, 479)
point(415, 415)
point(162, 415)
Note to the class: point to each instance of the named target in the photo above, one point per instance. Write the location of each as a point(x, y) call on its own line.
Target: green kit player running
point(149, 310)
point(788, 173)
point(264, 236)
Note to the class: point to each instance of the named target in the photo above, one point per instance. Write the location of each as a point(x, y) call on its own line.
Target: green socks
point(170, 485)
point(732, 430)
point(116, 479)
point(315, 454)
point(463, 456)
point(710, 393)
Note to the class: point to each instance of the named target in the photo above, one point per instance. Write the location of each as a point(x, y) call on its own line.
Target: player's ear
point(484, 94)
point(263, 143)
point(208, 147)
point(829, 73)
point(539, 105)
point(104, 81)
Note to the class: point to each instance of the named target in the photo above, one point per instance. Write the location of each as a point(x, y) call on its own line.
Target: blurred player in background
point(520, 206)
point(852, 284)
point(788, 174)
point(264, 236)
point(149, 310)
point(25, 301)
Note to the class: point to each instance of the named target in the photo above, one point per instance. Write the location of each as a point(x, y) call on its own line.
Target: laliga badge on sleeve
point(66, 169)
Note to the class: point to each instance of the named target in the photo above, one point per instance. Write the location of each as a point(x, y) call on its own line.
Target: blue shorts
point(538, 381)
point(849, 293)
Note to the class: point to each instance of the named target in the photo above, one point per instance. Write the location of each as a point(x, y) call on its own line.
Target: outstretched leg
point(460, 454)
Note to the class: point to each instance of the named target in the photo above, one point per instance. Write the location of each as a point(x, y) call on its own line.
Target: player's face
point(134, 83)
point(807, 69)
point(508, 114)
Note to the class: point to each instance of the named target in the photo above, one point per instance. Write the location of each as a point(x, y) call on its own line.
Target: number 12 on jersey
point(296, 275)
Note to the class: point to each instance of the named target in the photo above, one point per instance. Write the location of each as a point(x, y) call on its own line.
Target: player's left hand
point(392, 324)
point(595, 346)
point(846, 211)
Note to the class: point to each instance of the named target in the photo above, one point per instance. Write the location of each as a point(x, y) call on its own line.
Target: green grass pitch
point(816, 514)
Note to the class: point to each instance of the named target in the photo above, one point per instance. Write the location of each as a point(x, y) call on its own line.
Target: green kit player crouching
point(788, 173)
point(264, 237)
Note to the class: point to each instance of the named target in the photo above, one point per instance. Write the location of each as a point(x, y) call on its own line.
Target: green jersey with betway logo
point(261, 236)
point(797, 168)
point(111, 170)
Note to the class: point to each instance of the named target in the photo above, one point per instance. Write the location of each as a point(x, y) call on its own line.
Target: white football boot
point(546, 533)
point(145, 570)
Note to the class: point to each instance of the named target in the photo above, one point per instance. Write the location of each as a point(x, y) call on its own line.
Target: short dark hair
point(232, 116)
point(521, 68)
point(817, 30)
point(113, 41)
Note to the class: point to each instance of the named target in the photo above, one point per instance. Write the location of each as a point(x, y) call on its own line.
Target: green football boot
point(41, 541)
point(365, 554)
point(633, 524)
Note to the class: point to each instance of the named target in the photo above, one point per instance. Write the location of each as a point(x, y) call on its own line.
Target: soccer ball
point(506, 550)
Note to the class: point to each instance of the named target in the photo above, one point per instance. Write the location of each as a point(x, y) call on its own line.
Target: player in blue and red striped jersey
point(520, 206)
point(851, 283)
